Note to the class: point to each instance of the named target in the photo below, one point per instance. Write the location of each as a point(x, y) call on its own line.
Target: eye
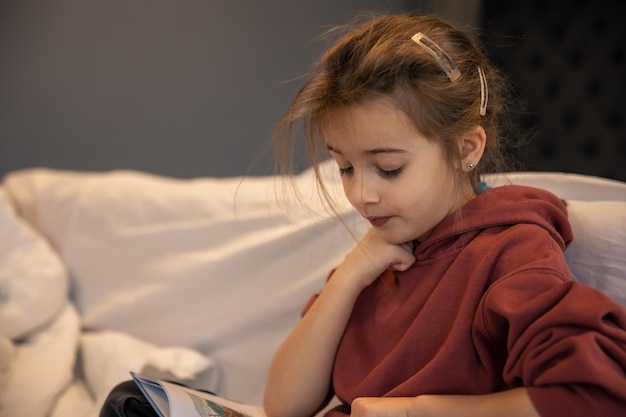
point(346, 171)
point(389, 174)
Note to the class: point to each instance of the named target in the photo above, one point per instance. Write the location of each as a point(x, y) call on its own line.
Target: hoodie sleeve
point(566, 343)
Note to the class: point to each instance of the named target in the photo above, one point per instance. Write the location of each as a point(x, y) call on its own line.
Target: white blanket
point(41, 339)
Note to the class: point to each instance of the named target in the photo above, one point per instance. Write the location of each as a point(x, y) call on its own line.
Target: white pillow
point(33, 280)
point(109, 356)
point(597, 256)
point(565, 185)
point(208, 263)
point(42, 367)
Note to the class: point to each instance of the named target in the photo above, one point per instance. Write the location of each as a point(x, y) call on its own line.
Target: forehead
point(371, 122)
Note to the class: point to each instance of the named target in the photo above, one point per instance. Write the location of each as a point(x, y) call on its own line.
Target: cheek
point(408, 186)
point(347, 190)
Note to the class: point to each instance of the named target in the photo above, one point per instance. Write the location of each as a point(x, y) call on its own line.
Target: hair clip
point(484, 92)
point(442, 58)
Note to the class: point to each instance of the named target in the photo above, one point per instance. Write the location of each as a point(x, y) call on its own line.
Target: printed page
point(172, 400)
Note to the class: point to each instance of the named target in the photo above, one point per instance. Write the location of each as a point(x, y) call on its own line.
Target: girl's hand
point(511, 403)
point(383, 407)
point(373, 256)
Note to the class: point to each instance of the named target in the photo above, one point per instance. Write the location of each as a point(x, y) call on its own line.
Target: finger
point(403, 262)
point(401, 266)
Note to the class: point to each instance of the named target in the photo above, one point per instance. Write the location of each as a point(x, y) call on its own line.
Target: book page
point(156, 395)
point(172, 400)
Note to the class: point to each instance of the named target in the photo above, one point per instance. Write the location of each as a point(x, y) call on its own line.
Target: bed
point(198, 280)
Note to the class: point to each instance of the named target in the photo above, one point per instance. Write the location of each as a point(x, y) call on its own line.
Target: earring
point(471, 165)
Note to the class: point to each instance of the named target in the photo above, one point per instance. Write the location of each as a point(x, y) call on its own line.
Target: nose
point(361, 190)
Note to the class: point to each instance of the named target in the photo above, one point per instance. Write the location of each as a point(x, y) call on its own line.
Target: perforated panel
point(566, 61)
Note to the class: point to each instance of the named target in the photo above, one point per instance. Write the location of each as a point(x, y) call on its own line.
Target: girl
point(458, 300)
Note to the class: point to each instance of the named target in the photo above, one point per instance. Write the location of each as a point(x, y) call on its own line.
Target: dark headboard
point(567, 63)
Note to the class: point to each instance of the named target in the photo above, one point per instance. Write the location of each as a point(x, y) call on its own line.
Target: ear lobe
point(472, 146)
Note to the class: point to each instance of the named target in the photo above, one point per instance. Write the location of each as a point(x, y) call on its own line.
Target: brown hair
point(378, 58)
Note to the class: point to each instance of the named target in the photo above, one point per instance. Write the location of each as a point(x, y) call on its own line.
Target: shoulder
point(512, 205)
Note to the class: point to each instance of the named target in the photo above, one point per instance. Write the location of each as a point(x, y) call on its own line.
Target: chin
point(398, 240)
point(401, 235)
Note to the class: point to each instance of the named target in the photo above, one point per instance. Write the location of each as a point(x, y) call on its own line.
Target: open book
point(173, 400)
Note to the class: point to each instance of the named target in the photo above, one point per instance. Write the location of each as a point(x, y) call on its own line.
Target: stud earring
point(471, 165)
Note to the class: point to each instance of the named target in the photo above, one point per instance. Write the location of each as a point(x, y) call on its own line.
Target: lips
point(378, 221)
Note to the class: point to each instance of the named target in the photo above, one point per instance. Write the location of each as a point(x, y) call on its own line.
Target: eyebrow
point(374, 151)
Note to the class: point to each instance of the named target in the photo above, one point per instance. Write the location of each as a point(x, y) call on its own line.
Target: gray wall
point(183, 88)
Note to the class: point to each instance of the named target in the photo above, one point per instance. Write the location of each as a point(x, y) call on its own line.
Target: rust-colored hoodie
point(489, 305)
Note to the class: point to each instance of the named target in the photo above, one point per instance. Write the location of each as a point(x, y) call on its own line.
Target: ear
point(471, 147)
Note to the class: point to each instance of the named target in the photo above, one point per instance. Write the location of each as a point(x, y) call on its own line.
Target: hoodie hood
point(502, 206)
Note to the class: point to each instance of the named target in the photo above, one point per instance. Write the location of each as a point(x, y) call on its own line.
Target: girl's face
point(393, 175)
